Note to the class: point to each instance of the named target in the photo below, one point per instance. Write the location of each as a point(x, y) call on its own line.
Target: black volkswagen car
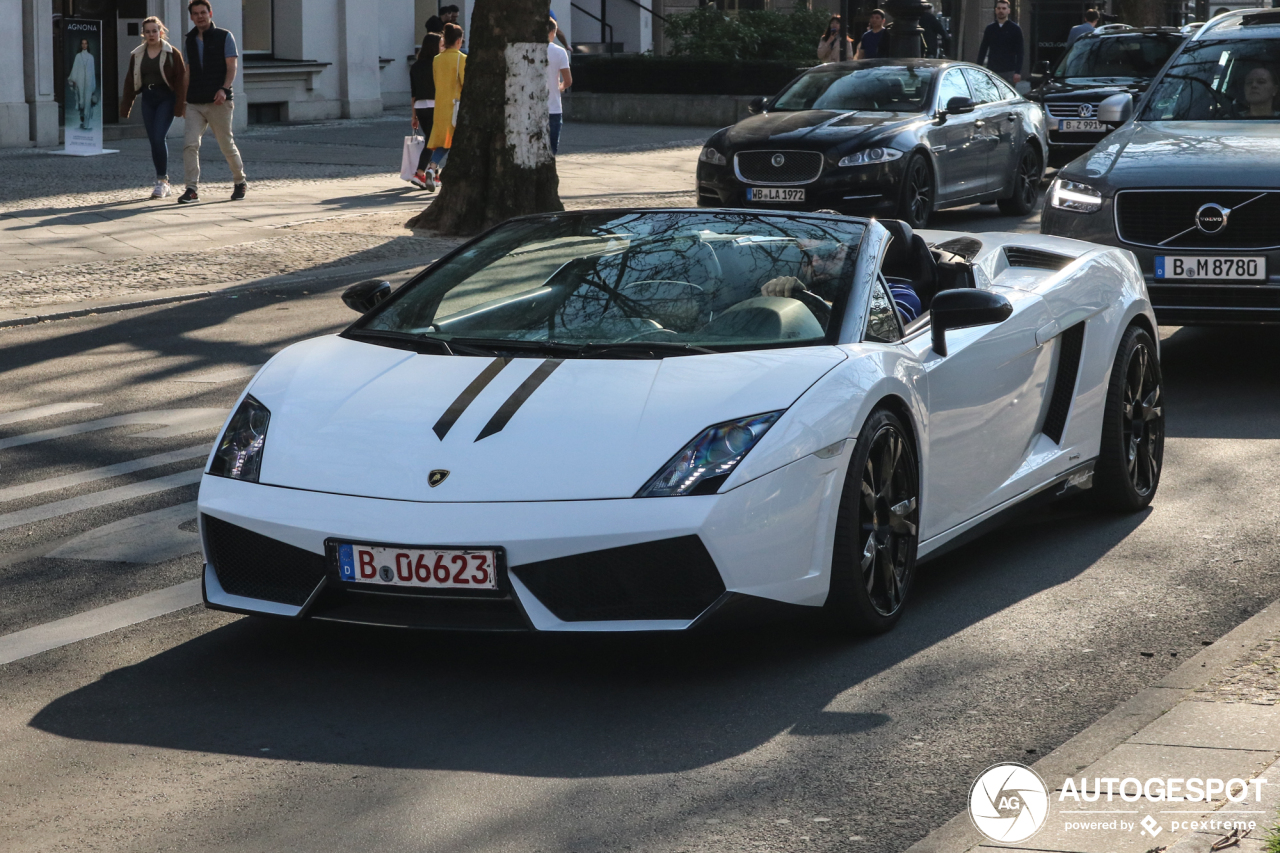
point(890, 137)
point(1190, 181)
point(1113, 60)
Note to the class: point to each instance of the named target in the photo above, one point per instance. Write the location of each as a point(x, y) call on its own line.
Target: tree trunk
point(1143, 13)
point(500, 165)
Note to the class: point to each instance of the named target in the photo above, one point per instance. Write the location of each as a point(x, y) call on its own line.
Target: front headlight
point(1070, 195)
point(871, 155)
point(706, 462)
point(712, 156)
point(239, 453)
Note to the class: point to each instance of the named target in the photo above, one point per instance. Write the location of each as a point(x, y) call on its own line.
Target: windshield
point(655, 283)
point(1229, 79)
point(890, 89)
point(1129, 57)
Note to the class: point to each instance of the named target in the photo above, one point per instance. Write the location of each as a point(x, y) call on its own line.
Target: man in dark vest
point(211, 69)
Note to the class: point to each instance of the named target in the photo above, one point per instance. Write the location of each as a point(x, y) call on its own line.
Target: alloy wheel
point(1029, 179)
point(889, 520)
point(919, 193)
point(1142, 424)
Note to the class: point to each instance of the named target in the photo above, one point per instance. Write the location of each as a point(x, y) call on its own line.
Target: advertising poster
point(82, 115)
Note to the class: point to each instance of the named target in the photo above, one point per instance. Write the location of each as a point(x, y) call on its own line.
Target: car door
point(959, 162)
point(986, 400)
point(995, 125)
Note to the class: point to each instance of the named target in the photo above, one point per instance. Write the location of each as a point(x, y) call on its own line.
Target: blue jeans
point(557, 119)
point(438, 156)
point(157, 115)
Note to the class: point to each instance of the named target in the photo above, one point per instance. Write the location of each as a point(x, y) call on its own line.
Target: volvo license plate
point(1081, 125)
point(427, 568)
point(774, 194)
point(1210, 267)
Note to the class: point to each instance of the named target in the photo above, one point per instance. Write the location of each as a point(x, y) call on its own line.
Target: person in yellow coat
point(449, 70)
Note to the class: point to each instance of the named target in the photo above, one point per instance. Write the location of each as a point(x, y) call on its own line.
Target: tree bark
point(500, 164)
point(1143, 13)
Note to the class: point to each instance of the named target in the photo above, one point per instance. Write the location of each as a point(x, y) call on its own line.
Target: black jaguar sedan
point(890, 137)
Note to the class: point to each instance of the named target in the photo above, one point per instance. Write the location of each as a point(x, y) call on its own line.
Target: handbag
point(457, 101)
point(413, 146)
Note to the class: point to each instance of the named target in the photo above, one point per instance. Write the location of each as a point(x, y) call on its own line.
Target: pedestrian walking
point(449, 14)
point(937, 43)
point(559, 32)
point(157, 75)
point(422, 82)
point(1090, 21)
point(559, 78)
point(212, 59)
point(876, 39)
point(449, 69)
point(1002, 46)
point(829, 44)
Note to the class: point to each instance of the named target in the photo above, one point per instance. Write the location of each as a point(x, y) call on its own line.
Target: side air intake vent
point(1036, 259)
point(258, 566)
point(1071, 347)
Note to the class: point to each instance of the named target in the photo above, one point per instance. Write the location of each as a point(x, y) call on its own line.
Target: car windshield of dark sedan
point(1224, 80)
point(1130, 57)
point(642, 283)
point(889, 89)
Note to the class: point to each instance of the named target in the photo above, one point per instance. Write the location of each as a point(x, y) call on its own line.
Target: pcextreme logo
point(1009, 803)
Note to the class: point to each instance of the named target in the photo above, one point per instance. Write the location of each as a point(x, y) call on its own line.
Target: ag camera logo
point(1009, 803)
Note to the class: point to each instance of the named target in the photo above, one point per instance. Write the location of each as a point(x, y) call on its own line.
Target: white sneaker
point(162, 190)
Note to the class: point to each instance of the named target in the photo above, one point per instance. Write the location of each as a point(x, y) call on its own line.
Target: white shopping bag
point(413, 146)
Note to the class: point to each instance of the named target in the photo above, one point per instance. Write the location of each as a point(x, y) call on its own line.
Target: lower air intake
point(257, 566)
point(667, 579)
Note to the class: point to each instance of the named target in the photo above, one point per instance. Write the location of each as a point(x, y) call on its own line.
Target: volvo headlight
point(871, 155)
point(712, 156)
point(239, 453)
point(1070, 195)
point(706, 462)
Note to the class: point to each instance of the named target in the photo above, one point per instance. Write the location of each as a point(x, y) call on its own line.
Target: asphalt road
point(204, 731)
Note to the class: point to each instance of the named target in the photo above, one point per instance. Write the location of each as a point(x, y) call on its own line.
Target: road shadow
point(1222, 382)
point(548, 705)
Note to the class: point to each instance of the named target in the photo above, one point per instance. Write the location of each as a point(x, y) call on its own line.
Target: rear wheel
point(1026, 184)
point(877, 529)
point(1132, 453)
point(916, 195)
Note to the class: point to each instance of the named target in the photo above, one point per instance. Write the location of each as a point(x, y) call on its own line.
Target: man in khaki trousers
point(212, 59)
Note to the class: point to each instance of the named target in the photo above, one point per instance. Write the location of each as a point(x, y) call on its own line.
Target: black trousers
point(426, 115)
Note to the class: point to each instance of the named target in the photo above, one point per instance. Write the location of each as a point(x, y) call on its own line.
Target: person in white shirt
point(559, 78)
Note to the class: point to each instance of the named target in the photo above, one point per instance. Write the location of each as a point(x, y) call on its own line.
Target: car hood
point(1181, 153)
point(354, 418)
point(812, 128)
point(1088, 88)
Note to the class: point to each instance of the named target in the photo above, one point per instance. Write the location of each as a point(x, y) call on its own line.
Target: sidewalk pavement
point(1215, 716)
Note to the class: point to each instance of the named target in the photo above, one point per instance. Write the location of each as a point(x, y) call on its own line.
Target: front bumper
point(655, 564)
point(866, 190)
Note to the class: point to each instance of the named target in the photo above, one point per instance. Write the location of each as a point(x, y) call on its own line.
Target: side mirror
point(961, 309)
point(364, 296)
point(959, 106)
point(757, 105)
point(1043, 71)
point(1116, 109)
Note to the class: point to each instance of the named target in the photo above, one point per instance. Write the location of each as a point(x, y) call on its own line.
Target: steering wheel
point(816, 304)
point(649, 333)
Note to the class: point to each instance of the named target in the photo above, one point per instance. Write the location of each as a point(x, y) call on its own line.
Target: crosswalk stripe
point(91, 623)
point(171, 422)
point(79, 478)
point(152, 537)
point(223, 375)
point(42, 412)
point(95, 499)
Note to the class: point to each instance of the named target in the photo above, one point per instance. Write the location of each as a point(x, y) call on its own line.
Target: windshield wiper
point(404, 339)
point(641, 348)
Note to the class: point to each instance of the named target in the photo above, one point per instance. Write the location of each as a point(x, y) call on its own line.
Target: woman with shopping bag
point(449, 70)
point(423, 85)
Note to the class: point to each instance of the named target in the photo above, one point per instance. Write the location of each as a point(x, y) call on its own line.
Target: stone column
point(359, 83)
point(37, 76)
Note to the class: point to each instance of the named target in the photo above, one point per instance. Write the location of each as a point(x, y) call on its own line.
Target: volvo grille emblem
point(437, 477)
point(778, 160)
point(1086, 110)
point(1212, 218)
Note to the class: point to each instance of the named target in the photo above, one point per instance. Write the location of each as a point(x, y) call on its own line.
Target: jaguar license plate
point(426, 568)
point(1219, 267)
point(774, 194)
point(1081, 125)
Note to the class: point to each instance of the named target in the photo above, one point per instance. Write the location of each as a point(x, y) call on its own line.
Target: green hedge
point(643, 75)
point(708, 33)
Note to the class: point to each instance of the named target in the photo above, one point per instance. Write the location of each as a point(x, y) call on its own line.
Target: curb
point(958, 835)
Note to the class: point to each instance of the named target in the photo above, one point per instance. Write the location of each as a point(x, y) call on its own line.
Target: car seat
point(909, 260)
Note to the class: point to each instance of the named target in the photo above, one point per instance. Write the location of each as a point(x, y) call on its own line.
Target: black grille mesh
point(1020, 256)
point(667, 579)
point(1220, 296)
point(798, 166)
point(256, 566)
point(1064, 382)
point(1149, 218)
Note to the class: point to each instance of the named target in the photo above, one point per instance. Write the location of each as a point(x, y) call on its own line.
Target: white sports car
point(645, 419)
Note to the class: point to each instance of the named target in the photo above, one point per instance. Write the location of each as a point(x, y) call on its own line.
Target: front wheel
point(1132, 453)
point(916, 195)
point(877, 530)
point(1026, 184)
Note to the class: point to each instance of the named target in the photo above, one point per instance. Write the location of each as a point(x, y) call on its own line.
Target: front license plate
point(1220, 267)
point(774, 194)
point(1081, 125)
point(418, 567)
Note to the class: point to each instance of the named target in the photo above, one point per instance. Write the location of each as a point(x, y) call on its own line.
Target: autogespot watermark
point(1010, 803)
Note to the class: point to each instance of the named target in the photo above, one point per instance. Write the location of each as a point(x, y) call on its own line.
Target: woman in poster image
point(157, 75)
point(83, 80)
